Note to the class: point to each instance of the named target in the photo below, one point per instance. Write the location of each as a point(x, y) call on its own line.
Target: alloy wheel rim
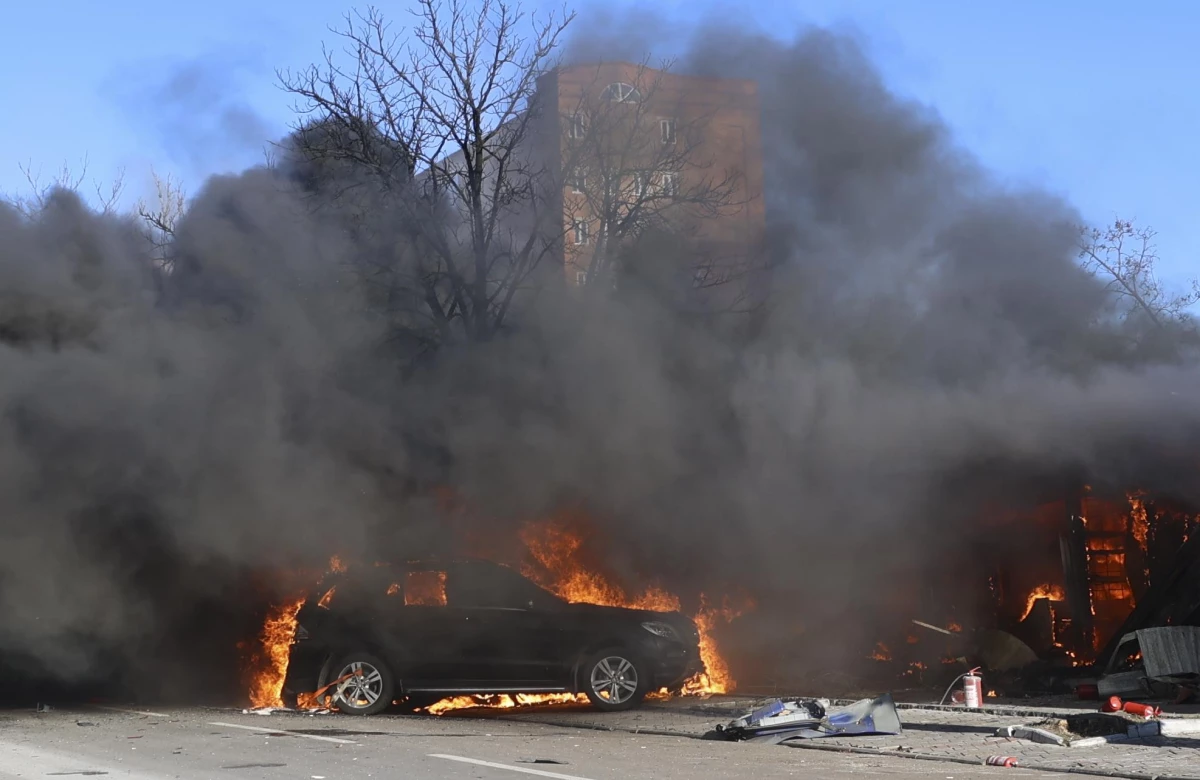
point(362, 689)
point(614, 679)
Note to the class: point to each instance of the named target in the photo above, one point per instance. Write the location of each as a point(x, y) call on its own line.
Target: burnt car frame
point(425, 630)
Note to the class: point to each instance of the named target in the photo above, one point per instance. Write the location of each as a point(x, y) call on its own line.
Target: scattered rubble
point(1084, 730)
point(780, 721)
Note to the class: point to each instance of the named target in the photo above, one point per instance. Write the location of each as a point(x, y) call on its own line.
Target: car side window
point(469, 589)
point(421, 589)
point(486, 586)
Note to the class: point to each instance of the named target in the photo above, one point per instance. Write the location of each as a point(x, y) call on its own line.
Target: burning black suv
point(430, 629)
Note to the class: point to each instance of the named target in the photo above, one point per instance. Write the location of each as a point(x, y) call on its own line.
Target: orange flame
point(1075, 660)
point(556, 550)
point(269, 662)
point(1047, 591)
point(882, 653)
point(1137, 513)
point(503, 701)
point(716, 677)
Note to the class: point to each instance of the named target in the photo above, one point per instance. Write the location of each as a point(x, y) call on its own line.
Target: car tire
point(613, 680)
point(370, 692)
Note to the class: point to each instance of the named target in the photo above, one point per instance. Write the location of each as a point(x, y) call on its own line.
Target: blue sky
point(1094, 100)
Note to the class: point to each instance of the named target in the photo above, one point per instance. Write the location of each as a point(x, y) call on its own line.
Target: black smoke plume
point(929, 344)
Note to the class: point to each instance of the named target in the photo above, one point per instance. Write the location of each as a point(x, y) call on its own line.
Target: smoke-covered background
point(929, 342)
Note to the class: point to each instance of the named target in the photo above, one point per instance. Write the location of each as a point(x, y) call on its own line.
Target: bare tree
point(40, 190)
point(636, 163)
point(437, 124)
point(160, 216)
point(1123, 256)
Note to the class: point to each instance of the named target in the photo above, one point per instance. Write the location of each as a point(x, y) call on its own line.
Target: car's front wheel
point(368, 685)
point(613, 680)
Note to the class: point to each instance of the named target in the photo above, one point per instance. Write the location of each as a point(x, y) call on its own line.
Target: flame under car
point(431, 629)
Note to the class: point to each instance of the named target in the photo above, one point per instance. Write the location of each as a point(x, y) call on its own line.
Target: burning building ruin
point(1044, 594)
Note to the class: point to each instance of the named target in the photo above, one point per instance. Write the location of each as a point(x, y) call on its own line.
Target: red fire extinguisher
point(1145, 710)
point(973, 689)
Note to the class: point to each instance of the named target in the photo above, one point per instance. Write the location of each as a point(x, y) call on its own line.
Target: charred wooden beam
point(1073, 548)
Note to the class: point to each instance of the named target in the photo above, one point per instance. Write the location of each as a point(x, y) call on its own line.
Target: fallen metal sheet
point(1121, 683)
point(780, 737)
point(781, 721)
point(868, 716)
point(776, 717)
point(1170, 652)
point(1001, 651)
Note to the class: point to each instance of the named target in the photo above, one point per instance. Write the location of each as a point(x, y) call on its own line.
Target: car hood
point(677, 620)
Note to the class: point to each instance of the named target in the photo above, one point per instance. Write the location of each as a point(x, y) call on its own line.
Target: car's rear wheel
point(613, 680)
point(368, 687)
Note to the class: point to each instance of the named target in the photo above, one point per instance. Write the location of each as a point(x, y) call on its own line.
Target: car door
point(513, 640)
point(425, 632)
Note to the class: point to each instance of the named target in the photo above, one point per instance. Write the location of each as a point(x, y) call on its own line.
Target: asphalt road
point(201, 743)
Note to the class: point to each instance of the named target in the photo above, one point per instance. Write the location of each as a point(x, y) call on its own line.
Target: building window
point(578, 129)
point(578, 183)
point(581, 232)
point(581, 278)
point(667, 128)
point(621, 92)
point(668, 184)
point(640, 185)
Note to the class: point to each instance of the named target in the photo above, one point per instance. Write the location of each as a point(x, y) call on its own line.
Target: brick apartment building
point(626, 149)
point(635, 148)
